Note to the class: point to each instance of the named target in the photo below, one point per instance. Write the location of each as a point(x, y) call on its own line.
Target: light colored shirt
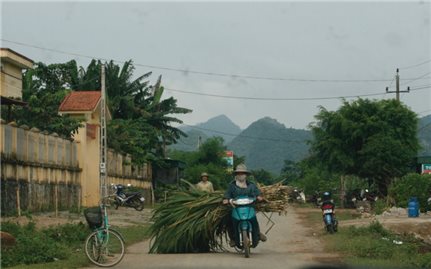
point(205, 186)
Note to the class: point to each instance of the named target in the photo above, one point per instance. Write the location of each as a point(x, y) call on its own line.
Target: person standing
point(205, 184)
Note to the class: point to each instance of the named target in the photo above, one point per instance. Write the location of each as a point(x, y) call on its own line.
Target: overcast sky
point(318, 43)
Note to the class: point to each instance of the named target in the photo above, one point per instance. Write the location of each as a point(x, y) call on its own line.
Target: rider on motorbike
point(242, 187)
point(327, 201)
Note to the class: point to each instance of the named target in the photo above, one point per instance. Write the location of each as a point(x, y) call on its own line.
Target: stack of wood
point(276, 196)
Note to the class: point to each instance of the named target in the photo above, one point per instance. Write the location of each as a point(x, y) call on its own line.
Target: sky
point(247, 60)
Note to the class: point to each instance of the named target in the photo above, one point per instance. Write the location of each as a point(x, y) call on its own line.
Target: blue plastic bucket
point(413, 208)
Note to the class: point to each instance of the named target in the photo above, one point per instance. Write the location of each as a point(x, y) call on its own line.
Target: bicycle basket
point(94, 218)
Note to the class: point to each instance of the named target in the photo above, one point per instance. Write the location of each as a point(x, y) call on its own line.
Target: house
point(12, 65)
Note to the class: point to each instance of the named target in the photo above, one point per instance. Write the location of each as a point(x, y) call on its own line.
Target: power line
point(285, 99)
point(186, 71)
point(415, 65)
point(417, 78)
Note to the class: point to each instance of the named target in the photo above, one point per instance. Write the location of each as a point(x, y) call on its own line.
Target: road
point(289, 245)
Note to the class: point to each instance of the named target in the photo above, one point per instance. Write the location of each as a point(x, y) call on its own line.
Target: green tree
point(374, 140)
point(209, 158)
point(411, 185)
point(263, 177)
point(44, 88)
point(291, 171)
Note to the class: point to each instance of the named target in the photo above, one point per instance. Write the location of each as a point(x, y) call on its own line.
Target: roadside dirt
point(419, 227)
point(121, 217)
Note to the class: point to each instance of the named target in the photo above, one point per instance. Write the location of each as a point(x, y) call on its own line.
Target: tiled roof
point(80, 101)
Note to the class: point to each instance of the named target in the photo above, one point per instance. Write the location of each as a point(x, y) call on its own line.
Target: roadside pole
point(103, 142)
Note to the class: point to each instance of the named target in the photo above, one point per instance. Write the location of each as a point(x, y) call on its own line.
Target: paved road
point(289, 245)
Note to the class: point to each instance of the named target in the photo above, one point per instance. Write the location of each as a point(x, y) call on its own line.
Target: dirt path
point(289, 245)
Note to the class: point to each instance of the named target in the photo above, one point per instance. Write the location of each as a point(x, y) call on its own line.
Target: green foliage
point(370, 139)
point(62, 244)
point(209, 158)
point(374, 244)
point(31, 246)
point(291, 171)
point(141, 123)
point(262, 176)
point(411, 185)
point(188, 222)
point(71, 235)
point(380, 206)
point(315, 178)
point(44, 88)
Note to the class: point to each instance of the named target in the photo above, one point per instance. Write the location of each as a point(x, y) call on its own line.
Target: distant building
point(423, 164)
point(12, 65)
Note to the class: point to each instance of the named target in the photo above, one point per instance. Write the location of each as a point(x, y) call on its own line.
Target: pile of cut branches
point(276, 196)
point(194, 221)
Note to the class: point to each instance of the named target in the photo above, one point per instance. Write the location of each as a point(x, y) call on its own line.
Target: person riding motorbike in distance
point(240, 186)
point(328, 201)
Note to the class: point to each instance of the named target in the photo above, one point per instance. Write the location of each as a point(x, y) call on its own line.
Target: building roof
point(14, 57)
point(80, 101)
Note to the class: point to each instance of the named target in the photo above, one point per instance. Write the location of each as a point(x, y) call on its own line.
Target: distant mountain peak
point(220, 119)
point(268, 120)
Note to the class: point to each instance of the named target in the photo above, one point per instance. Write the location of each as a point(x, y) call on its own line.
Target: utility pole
point(397, 83)
point(103, 141)
point(199, 142)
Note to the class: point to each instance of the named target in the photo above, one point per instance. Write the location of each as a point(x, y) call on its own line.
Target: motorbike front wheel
point(246, 243)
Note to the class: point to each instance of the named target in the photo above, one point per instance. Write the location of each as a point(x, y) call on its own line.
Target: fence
point(41, 171)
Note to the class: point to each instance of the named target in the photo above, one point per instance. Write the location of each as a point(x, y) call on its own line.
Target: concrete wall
point(39, 171)
point(43, 172)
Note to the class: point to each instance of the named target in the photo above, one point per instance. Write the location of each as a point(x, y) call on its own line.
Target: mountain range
point(266, 143)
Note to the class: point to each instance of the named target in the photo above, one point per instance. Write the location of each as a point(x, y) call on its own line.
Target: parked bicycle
point(105, 246)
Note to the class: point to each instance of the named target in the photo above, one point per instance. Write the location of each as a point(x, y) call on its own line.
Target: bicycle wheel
point(105, 249)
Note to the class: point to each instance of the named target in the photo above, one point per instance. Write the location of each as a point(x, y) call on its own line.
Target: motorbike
point(297, 196)
point(243, 211)
point(331, 224)
point(130, 199)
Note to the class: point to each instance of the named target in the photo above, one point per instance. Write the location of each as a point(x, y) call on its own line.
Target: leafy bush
point(68, 234)
point(380, 206)
point(411, 185)
point(39, 246)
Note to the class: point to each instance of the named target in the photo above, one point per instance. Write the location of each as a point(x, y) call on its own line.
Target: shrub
point(411, 185)
point(380, 206)
point(38, 246)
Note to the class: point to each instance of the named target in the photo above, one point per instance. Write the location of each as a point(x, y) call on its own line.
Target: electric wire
point(186, 71)
point(285, 99)
point(415, 65)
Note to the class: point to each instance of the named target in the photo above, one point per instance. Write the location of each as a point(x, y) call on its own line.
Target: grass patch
point(60, 246)
point(375, 246)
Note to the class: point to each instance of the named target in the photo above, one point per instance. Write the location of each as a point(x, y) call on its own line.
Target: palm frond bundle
point(189, 221)
point(195, 221)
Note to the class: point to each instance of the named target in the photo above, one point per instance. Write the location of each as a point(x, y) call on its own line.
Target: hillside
point(217, 126)
point(266, 143)
point(190, 143)
point(424, 135)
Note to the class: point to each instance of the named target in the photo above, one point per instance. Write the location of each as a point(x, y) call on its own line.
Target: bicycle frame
point(102, 234)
